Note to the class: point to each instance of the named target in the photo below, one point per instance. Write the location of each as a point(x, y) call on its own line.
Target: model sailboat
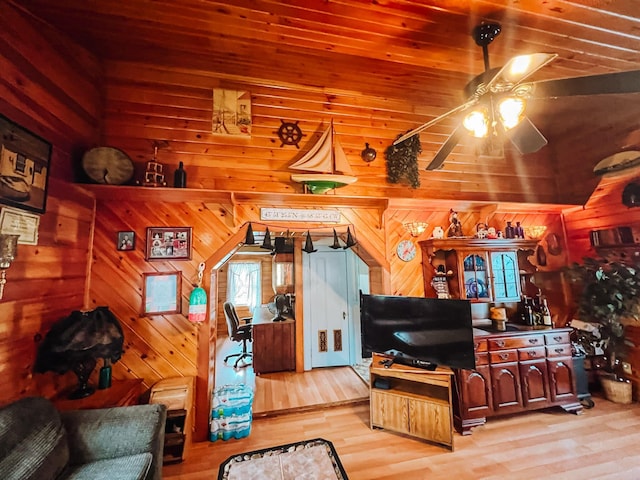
point(328, 162)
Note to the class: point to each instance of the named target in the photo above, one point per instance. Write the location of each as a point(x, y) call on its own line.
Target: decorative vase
point(368, 154)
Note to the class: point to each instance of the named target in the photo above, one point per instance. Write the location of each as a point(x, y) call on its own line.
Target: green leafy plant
point(402, 161)
point(609, 298)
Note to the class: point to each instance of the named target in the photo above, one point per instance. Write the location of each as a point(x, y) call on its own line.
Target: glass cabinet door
point(506, 281)
point(476, 277)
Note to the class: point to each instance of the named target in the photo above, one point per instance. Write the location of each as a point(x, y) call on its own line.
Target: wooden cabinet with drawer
point(515, 372)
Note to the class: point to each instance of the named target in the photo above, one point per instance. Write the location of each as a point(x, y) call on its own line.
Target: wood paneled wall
point(603, 210)
point(48, 86)
point(160, 346)
point(149, 102)
point(145, 103)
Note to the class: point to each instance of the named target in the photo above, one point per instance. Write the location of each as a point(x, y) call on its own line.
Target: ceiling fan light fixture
point(477, 123)
point(521, 67)
point(511, 110)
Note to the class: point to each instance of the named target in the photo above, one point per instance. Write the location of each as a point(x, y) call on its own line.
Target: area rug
point(307, 460)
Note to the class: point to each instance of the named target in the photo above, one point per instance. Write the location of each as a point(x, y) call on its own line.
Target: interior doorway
point(332, 280)
point(370, 273)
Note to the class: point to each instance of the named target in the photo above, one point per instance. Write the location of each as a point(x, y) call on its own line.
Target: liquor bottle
point(509, 231)
point(546, 314)
point(527, 312)
point(519, 230)
point(180, 177)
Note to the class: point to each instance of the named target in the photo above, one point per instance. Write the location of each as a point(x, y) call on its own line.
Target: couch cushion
point(130, 467)
point(33, 443)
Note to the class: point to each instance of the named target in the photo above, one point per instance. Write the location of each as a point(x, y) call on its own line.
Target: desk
point(120, 394)
point(273, 342)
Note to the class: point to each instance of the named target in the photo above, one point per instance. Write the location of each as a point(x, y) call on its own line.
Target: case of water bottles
point(231, 412)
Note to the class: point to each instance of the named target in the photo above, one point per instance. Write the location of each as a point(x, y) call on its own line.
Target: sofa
point(38, 442)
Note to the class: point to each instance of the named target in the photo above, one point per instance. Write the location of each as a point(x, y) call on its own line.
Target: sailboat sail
point(329, 162)
point(326, 156)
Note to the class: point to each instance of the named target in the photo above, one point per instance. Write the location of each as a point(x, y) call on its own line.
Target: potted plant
point(609, 299)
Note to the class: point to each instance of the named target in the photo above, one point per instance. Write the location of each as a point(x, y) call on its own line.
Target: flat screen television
point(418, 331)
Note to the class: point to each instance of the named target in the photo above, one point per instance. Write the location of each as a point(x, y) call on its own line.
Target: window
point(244, 282)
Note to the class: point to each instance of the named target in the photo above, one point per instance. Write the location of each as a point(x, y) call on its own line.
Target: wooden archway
point(207, 333)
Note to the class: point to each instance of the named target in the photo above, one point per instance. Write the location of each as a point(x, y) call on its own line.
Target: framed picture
point(161, 293)
point(172, 243)
point(126, 240)
point(24, 167)
point(231, 112)
point(18, 222)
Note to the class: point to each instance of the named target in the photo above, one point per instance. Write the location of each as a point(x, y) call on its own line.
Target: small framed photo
point(126, 240)
point(161, 293)
point(168, 243)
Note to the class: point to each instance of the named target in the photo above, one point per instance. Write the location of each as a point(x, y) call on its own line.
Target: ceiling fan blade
point(606, 83)
point(419, 129)
point(519, 68)
point(526, 137)
point(446, 149)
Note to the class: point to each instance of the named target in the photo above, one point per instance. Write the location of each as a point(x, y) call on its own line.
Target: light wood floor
point(602, 443)
point(280, 392)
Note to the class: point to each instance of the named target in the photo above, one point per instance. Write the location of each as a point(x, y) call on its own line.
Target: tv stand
point(417, 402)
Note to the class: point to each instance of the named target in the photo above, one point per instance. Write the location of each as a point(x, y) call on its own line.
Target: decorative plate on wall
point(406, 250)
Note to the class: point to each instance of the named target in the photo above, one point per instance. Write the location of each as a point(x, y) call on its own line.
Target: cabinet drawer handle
point(500, 343)
point(558, 338)
point(533, 341)
point(504, 356)
point(532, 354)
point(559, 350)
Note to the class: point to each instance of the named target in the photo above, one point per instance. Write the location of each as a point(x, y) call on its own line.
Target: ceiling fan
point(496, 99)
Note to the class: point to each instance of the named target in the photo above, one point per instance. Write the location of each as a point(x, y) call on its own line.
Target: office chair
point(237, 333)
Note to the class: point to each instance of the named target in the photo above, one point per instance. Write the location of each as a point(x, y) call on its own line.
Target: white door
point(327, 304)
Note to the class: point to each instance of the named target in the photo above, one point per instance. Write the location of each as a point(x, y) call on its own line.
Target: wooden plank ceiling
point(410, 58)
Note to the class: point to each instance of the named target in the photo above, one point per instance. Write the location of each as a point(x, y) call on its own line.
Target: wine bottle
point(180, 177)
point(527, 312)
point(546, 314)
point(519, 230)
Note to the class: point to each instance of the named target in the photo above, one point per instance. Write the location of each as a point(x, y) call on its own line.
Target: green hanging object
point(198, 301)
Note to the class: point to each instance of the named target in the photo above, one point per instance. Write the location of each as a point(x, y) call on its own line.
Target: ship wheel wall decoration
point(289, 133)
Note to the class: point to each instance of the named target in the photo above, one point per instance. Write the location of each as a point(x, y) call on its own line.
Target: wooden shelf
point(179, 195)
point(619, 252)
point(483, 243)
point(155, 194)
point(120, 394)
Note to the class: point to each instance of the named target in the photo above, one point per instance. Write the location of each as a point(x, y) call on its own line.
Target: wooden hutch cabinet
point(480, 270)
point(525, 368)
point(516, 371)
